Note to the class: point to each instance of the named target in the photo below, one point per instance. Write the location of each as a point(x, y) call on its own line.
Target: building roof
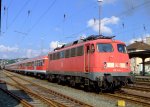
point(138, 46)
point(140, 54)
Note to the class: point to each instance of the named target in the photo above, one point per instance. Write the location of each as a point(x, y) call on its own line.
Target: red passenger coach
point(34, 66)
point(97, 62)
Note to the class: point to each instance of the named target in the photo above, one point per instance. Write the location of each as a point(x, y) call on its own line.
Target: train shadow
point(7, 100)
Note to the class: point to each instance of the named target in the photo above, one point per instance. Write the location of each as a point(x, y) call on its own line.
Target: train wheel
point(72, 83)
point(42, 76)
point(97, 88)
point(50, 79)
point(87, 88)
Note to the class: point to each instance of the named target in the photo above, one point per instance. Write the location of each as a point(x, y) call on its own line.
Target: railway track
point(143, 83)
point(131, 98)
point(30, 100)
point(19, 99)
point(52, 96)
point(138, 88)
point(142, 79)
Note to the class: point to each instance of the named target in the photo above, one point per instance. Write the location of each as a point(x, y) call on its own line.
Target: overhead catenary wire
point(28, 16)
point(13, 21)
point(121, 14)
point(70, 16)
point(138, 28)
point(25, 34)
point(6, 8)
point(42, 16)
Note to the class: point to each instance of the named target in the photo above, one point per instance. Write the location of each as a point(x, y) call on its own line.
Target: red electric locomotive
point(34, 66)
point(97, 62)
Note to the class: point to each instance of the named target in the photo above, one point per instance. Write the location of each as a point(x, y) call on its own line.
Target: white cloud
point(94, 24)
point(55, 44)
point(15, 52)
point(4, 48)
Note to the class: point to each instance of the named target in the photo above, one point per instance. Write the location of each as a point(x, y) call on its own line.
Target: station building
point(136, 63)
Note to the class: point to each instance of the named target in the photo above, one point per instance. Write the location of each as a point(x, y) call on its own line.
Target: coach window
point(43, 61)
point(80, 51)
point(104, 47)
point(73, 52)
point(38, 63)
point(35, 63)
point(67, 53)
point(62, 55)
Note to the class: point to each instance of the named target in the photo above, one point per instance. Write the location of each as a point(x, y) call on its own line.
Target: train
point(96, 62)
point(34, 66)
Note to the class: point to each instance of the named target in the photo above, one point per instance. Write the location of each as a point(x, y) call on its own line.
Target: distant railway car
point(96, 62)
point(34, 66)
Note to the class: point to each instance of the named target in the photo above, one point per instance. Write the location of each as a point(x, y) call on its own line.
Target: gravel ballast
point(96, 100)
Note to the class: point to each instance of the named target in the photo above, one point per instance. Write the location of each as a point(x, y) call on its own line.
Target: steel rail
point(146, 89)
point(51, 103)
point(22, 101)
point(143, 83)
point(131, 98)
point(53, 92)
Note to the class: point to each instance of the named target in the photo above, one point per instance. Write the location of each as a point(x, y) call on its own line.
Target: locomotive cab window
point(121, 48)
point(104, 47)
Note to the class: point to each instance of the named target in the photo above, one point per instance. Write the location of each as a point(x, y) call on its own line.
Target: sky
point(34, 27)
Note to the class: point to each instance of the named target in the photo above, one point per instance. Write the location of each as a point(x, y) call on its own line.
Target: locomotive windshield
point(121, 48)
point(104, 47)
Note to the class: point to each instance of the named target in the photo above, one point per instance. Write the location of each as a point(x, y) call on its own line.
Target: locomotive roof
point(91, 38)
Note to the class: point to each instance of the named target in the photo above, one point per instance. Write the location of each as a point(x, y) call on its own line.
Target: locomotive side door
point(87, 58)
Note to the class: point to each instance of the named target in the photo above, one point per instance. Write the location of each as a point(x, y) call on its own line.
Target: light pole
point(100, 2)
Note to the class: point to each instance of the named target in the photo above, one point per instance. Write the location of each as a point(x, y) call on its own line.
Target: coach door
point(87, 58)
